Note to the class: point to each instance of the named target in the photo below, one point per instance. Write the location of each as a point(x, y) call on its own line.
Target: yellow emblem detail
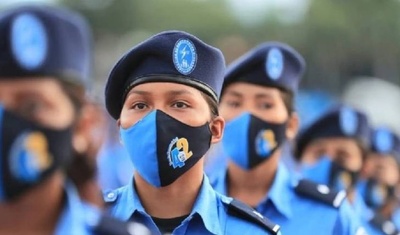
point(36, 143)
point(269, 137)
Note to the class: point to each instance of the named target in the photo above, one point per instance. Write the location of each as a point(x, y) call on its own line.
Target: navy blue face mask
point(29, 154)
point(249, 141)
point(328, 172)
point(378, 194)
point(162, 148)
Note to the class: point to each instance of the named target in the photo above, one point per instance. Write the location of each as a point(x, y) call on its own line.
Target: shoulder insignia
point(384, 225)
point(320, 192)
point(241, 210)
point(112, 226)
point(110, 196)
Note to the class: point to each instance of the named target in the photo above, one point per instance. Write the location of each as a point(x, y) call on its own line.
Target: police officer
point(163, 94)
point(379, 188)
point(45, 62)
point(333, 150)
point(257, 102)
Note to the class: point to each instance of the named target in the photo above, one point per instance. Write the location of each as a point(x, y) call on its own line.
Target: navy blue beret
point(385, 141)
point(171, 56)
point(339, 121)
point(39, 40)
point(272, 64)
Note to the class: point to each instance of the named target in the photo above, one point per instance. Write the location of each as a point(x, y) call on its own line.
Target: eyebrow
point(169, 93)
point(179, 92)
point(263, 95)
point(234, 93)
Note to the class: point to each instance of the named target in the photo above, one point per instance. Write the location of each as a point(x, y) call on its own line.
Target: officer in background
point(257, 101)
point(45, 63)
point(379, 188)
point(163, 94)
point(333, 150)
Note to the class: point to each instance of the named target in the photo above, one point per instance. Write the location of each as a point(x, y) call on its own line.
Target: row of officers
point(172, 98)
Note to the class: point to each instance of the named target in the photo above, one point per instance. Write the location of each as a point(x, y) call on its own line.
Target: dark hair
point(76, 93)
point(212, 104)
point(288, 100)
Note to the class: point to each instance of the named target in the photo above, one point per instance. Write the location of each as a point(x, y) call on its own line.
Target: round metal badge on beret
point(274, 63)
point(184, 56)
point(383, 140)
point(348, 121)
point(28, 41)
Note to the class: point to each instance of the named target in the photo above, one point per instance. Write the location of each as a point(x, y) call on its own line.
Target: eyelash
point(180, 103)
point(134, 106)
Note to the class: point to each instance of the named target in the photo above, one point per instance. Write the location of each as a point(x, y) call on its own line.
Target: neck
point(251, 186)
point(90, 192)
point(35, 212)
point(174, 200)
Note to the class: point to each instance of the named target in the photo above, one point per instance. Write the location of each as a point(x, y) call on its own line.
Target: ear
point(217, 126)
point(292, 126)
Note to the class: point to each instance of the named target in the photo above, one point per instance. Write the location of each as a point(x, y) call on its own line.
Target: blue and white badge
point(184, 56)
point(348, 121)
point(274, 64)
point(29, 156)
point(265, 142)
point(29, 43)
point(383, 140)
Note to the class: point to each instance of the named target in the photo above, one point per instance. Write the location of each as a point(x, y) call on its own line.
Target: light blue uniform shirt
point(209, 214)
point(77, 217)
point(297, 214)
point(114, 166)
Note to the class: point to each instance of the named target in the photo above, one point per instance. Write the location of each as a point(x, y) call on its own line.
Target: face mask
point(29, 154)
point(162, 148)
point(325, 171)
point(249, 141)
point(377, 194)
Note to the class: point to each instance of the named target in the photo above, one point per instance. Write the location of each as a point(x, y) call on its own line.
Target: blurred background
point(351, 47)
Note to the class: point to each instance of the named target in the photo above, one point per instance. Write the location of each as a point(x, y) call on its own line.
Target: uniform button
point(111, 197)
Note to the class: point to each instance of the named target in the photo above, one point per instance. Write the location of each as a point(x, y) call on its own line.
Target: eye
point(139, 106)
point(180, 105)
point(264, 105)
point(233, 104)
point(31, 108)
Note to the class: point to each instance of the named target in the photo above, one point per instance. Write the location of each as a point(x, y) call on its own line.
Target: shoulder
point(108, 225)
point(238, 211)
point(320, 193)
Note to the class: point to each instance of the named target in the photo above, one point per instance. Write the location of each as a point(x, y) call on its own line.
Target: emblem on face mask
point(178, 152)
point(265, 142)
point(345, 179)
point(184, 56)
point(30, 156)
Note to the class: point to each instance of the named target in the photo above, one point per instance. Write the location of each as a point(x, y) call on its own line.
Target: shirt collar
point(205, 206)
point(281, 192)
point(72, 220)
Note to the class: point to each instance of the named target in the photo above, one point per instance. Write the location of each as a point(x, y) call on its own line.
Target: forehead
point(28, 84)
point(249, 90)
point(163, 88)
point(335, 142)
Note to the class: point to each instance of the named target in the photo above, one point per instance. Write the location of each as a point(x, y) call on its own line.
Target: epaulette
point(241, 210)
point(108, 225)
point(384, 225)
point(320, 192)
